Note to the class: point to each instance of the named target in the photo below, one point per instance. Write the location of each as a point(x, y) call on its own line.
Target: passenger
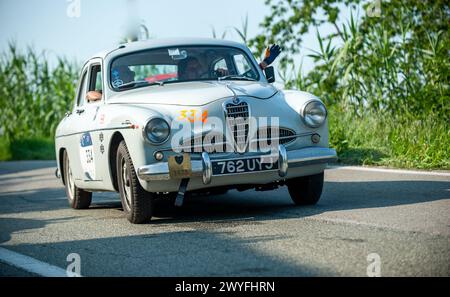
point(121, 75)
point(270, 55)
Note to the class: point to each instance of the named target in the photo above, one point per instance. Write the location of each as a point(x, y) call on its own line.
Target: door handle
point(80, 111)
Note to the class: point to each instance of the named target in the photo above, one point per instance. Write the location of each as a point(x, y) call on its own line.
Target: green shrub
point(34, 148)
point(5, 150)
point(393, 141)
point(385, 78)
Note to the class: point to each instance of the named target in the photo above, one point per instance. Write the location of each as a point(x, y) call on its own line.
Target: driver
point(189, 69)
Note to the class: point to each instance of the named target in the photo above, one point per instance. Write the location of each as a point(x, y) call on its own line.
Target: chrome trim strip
point(236, 101)
point(283, 163)
point(94, 130)
point(203, 168)
point(311, 155)
point(244, 173)
point(244, 158)
point(207, 168)
point(158, 171)
point(229, 144)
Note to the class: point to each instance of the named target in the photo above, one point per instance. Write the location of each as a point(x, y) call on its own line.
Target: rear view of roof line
point(166, 42)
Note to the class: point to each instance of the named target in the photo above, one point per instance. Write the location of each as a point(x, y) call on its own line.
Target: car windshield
point(181, 64)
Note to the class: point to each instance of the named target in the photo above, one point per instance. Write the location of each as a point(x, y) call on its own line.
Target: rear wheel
point(306, 190)
point(78, 198)
point(136, 202)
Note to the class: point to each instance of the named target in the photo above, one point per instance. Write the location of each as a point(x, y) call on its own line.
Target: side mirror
point(93, 96)
point(270, 74)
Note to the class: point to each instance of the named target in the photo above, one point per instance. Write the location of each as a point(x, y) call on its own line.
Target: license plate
point(224, 167)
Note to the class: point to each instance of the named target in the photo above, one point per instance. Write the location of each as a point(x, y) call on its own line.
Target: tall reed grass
point(33, 96)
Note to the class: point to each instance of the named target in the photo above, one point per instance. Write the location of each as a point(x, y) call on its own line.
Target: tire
point(306, 190)
point(78, 198)
point(136, 202)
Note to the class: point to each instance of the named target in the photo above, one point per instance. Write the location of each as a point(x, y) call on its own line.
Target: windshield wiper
point(235, 77)
point(139, 83)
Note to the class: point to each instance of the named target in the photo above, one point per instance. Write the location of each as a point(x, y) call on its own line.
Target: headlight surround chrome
point(157, 131)
point(314, 113)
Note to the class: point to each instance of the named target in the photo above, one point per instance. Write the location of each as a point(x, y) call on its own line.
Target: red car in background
point(161, 77)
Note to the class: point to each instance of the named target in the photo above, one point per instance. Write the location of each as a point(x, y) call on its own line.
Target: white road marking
point(347, 221)
point(386, 170)
point(30, 264)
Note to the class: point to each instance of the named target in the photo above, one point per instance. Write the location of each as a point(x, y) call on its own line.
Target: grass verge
point(374, 139)
point(34, 148)
point(383, 140)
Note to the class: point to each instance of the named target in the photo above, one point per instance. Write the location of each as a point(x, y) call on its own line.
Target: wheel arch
point(61, 164)
point(113, 146)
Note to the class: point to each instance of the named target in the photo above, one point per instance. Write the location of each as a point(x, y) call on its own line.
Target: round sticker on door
point(87, 156)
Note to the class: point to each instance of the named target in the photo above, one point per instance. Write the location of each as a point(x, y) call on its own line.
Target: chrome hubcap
point(70, 182)
point(126, 183)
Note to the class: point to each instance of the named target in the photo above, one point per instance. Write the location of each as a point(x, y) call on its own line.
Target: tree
point(290, 20)
point(396, 61)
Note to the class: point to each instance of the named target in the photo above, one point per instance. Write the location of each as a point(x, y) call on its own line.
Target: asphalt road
point(404, 217)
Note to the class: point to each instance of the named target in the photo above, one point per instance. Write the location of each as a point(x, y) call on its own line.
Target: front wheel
point(306, 190)
point(136, 202)
point(78, 198)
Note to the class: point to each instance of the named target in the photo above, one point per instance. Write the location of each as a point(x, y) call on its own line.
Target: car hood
point(194, 93)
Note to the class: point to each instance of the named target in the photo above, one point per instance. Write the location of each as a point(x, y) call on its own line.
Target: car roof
point(167, 42)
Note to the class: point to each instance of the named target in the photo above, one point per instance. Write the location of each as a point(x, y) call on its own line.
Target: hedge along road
point(396, 220)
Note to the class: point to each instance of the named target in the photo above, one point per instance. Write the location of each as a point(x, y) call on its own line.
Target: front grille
point(238, 120)
point(237, 110)
point(207, 143)
point(285, 135)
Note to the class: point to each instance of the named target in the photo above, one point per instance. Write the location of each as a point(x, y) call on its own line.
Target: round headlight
point(314, 114)
point(157, 130)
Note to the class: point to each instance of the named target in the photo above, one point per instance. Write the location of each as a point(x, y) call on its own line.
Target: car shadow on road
point(49, 199)
point(8, 225)
point(23, 201)
point(247, 205)
point(260, 206)
point(208, 238)
point(208, 252)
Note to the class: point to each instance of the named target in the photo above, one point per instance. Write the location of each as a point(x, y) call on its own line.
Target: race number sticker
point(193, 115)
point(87, 155)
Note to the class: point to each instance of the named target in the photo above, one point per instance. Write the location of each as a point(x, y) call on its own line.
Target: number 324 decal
point(193, 115)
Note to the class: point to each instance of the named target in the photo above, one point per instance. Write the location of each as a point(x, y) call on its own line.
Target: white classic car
point(162, 118)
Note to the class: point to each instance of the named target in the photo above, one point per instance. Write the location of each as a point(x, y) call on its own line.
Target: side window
point(222, 65)
point(96, 79)
point(242, 66)
point(83, 90)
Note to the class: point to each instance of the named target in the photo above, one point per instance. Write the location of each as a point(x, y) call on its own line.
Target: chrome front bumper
point(203, 168)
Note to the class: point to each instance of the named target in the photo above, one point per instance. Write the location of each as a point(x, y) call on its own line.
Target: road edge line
point(30, 264)
point(388, 170)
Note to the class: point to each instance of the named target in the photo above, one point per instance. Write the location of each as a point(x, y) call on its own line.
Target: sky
point(61, 29)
